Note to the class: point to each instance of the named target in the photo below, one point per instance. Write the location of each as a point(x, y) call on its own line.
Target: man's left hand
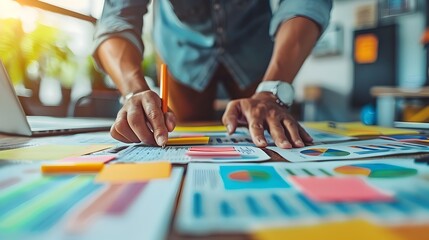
point(261, 112)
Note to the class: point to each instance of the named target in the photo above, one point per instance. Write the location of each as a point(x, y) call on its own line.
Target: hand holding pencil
point(145, 116)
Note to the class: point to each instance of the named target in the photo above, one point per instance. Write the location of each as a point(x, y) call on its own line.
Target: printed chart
point(242, 138)
point(234, 140)
point(218, 197)
point(350, 150)
point(376, 170)
point(57, 207)
point(185, 154)
point(325, 137)
point(251, 177)
point(325, 152)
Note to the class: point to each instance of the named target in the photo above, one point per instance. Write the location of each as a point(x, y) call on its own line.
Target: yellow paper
point(50, 152)
point(355, 129)
point(134, 172)
point(187, 141)
point(349, 230)
point(200, 129)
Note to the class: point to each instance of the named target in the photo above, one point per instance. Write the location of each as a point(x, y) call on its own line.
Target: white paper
point(325, 137)
point(349, 150)
point(243, 138)
point(212, 203)
point(147, 216)
point(176, 154)
point(76, 139)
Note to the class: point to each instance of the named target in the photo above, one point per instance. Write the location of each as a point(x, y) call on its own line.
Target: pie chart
point(249, 176)
point(376, 170)
point(324, 152)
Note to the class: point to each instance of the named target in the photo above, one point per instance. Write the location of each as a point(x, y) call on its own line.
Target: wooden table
point(15, 141)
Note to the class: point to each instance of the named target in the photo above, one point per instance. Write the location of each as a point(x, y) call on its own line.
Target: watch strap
point(272, 87)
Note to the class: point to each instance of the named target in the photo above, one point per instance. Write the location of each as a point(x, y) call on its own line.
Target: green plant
point(11, 51)
point(44, 47)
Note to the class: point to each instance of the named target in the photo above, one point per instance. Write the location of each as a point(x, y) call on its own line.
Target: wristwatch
point(283, 91)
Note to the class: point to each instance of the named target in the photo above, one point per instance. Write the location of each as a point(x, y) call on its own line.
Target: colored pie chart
point(249, 176)
point(324, 152)
point(376, 170)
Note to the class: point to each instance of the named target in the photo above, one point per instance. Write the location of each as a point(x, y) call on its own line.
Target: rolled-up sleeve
point(317, 10)
point(123, 19)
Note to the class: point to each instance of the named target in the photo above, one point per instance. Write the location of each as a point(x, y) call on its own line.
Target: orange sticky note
point(134, 172)
point(350, 230)
point(339, 189)
point(71, 167)
point(187, 141)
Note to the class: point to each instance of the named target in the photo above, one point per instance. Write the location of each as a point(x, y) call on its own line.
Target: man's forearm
point(121, 60)
point(293, 43)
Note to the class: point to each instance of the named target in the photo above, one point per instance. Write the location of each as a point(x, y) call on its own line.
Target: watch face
point(285, 93)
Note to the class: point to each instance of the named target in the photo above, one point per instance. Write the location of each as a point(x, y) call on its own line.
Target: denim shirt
point(194, 36)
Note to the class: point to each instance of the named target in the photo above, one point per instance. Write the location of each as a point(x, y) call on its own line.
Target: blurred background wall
point(46, 47)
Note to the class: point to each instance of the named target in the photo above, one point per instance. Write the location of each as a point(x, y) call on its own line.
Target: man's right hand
point(142, 120)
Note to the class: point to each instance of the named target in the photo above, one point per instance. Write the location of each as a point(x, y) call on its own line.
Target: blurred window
point(47, 44)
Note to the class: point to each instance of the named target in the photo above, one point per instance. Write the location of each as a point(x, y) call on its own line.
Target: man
point(255, 53)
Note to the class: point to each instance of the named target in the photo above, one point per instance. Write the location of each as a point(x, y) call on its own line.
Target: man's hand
point(260, 112)
point(142, 120)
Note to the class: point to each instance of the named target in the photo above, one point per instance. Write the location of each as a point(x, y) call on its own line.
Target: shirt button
point(219, 30)
point(216, 6)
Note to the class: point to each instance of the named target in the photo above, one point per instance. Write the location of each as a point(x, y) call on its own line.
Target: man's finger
point(256, 129)
point(231, 115)
point(137, 123)
point(255, 117)
point(152, 108)
point(118, 136)
point(292, 127)
point(170, 120)
point(121, 127)
point(278, 133)
point(304, 135)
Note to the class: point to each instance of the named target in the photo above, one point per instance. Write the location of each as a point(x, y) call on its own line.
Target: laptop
point(14, 121)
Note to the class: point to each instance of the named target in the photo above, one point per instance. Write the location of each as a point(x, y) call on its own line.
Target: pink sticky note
point(90, 158)
point(213, 154)
point(339, 189)
point(212, 149)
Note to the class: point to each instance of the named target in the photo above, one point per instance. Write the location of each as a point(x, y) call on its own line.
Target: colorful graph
point(211, 211)
point(251, 177)
point(37, 206)
point(391, 147)
point(325, 152)
point(405, 138)
point(376, 170)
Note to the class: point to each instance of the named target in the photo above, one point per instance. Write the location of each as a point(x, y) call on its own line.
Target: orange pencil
point(164, 87)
